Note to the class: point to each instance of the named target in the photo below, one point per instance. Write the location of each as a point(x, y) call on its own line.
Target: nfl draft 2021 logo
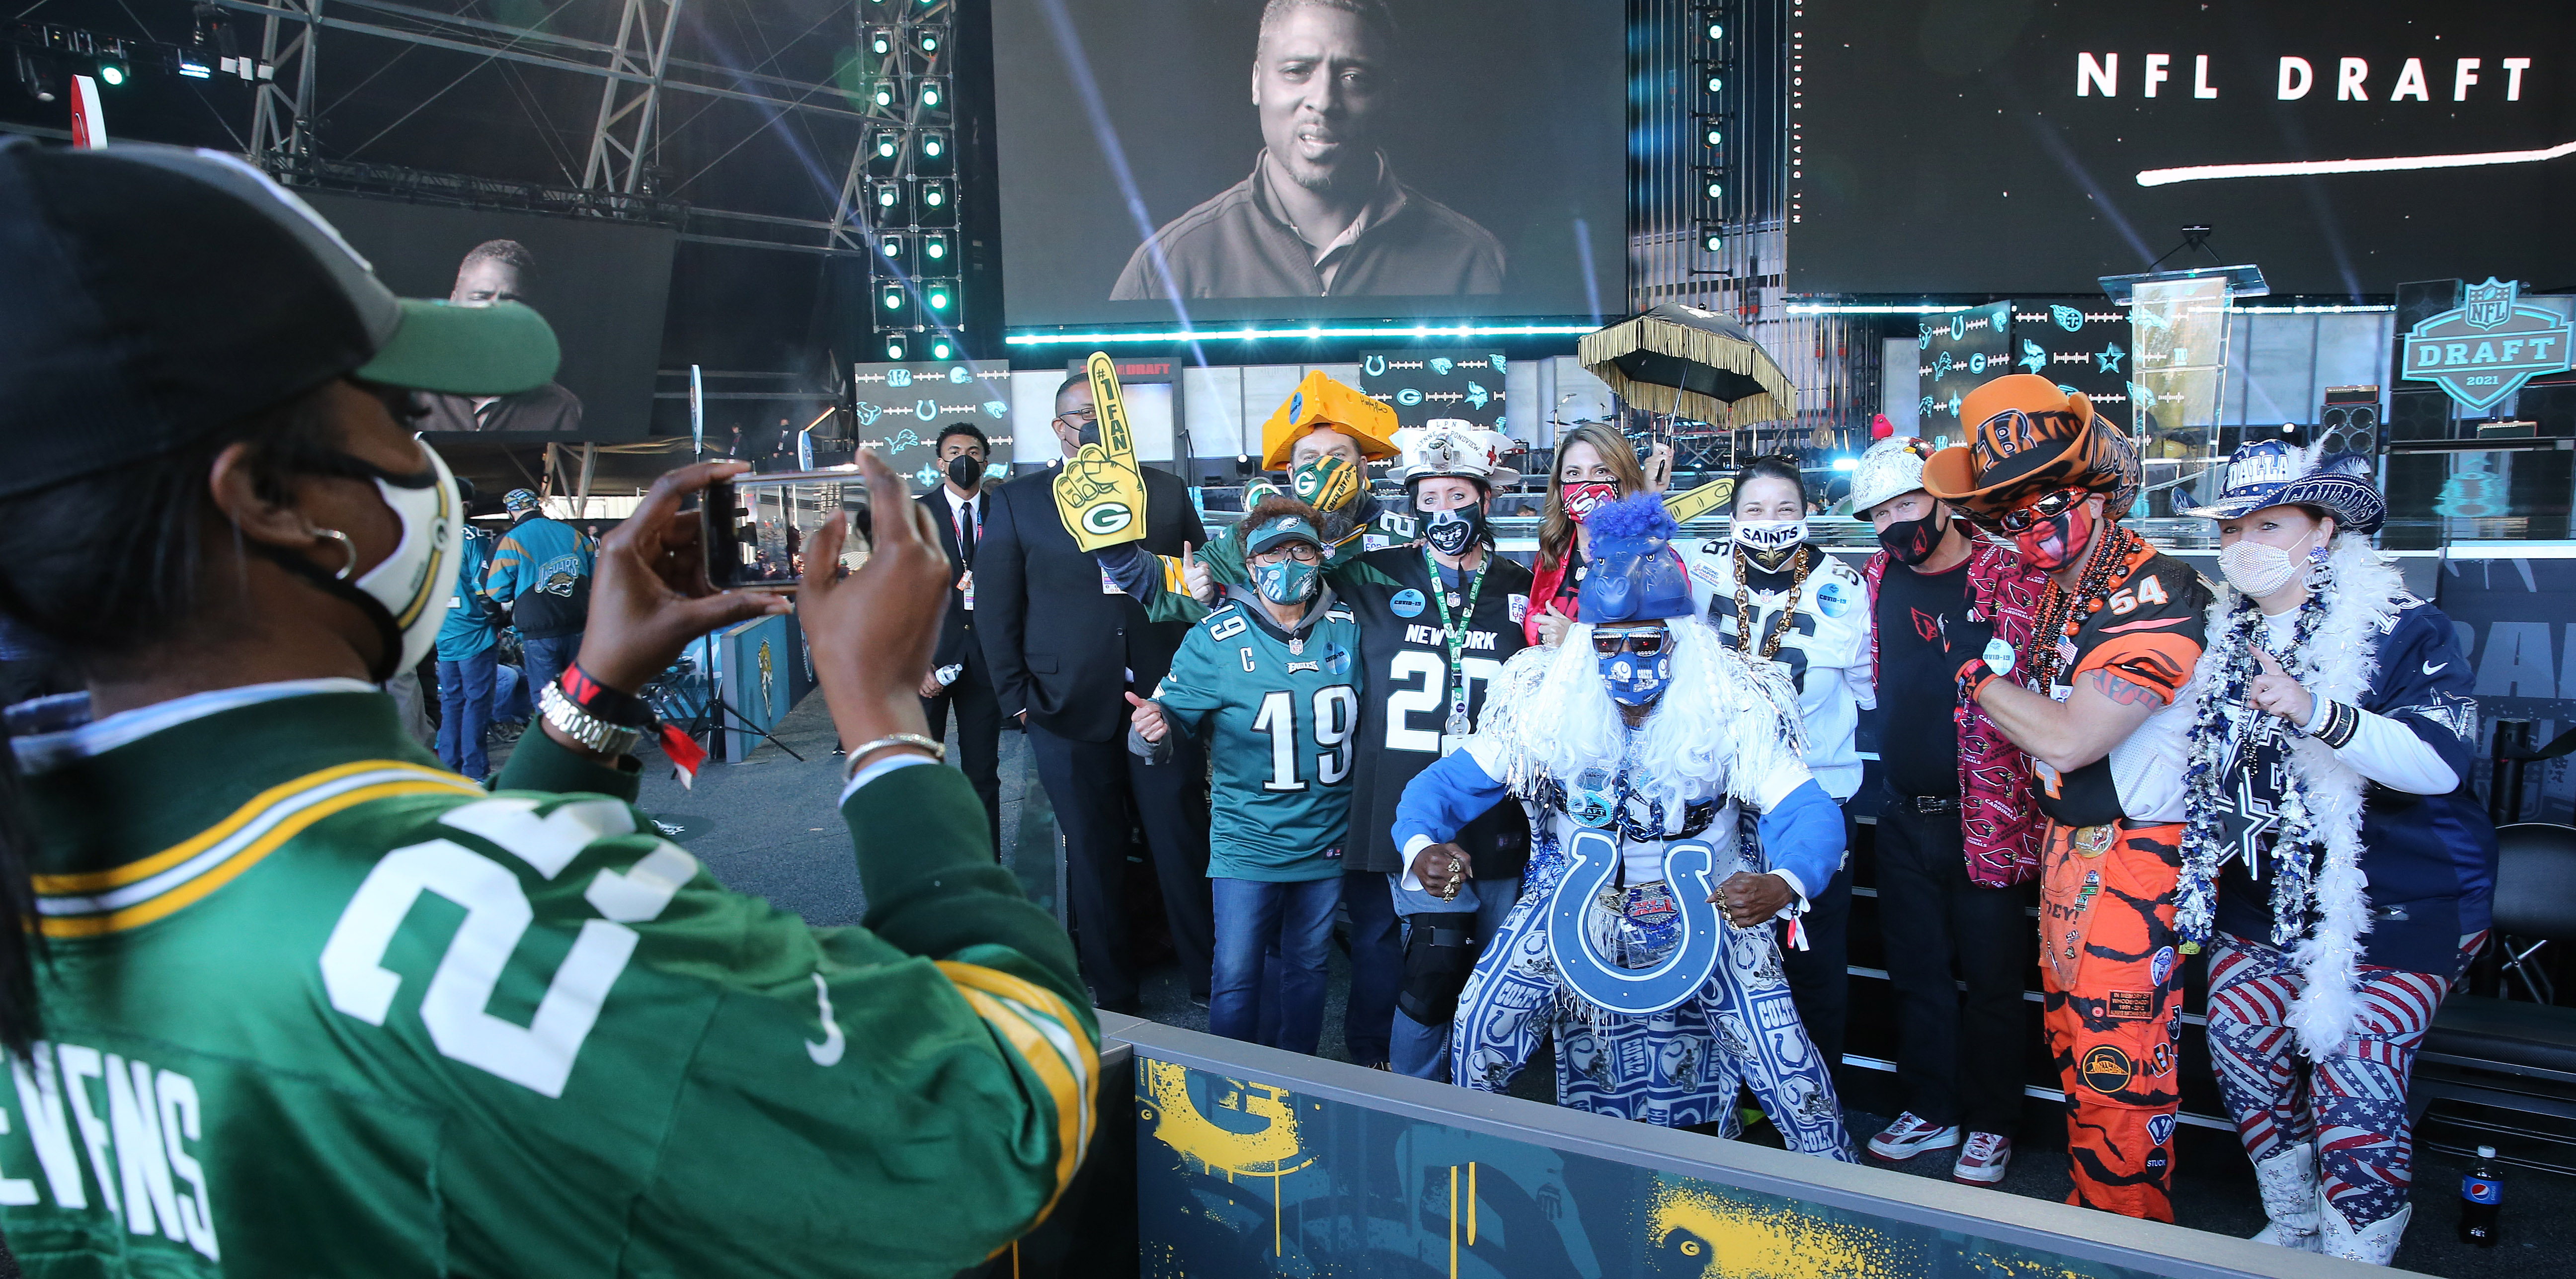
point(2484, 349)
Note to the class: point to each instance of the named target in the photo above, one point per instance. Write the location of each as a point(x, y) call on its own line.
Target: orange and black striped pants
point(2112, 979)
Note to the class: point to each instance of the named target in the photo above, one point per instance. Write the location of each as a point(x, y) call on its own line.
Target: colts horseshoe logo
point(1634, 992)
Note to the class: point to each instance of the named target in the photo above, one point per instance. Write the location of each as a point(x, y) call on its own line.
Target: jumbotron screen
point(1309, 159)
point(2344, 146)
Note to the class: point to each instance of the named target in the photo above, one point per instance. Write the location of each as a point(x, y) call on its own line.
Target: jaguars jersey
point(1404, 720)
point(1826, 649)
point(2150, 634)
point(317, 1006)
point(1280, 716)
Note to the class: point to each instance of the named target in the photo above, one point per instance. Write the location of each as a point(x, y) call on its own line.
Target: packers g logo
point(2106, 1069)
point(1108, 517)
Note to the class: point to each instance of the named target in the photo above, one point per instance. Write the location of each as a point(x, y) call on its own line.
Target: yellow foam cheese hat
point(1320, 402)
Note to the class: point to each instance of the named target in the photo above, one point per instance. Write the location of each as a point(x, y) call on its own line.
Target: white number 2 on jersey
point(538, 1056)
point(1423, 680)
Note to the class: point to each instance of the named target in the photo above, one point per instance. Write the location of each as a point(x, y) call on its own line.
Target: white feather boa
point(2367, 594)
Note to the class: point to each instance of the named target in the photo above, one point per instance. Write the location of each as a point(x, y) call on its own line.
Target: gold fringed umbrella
point(1696, 364)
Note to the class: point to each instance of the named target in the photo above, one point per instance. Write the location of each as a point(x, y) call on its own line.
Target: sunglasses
point(2046, 508)
point(1643, 643)
point(1302, 552)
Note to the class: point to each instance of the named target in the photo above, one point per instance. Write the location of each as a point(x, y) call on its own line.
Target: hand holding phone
point(648, 590)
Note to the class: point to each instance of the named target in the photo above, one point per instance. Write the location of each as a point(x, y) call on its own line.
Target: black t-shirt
point(1918, 741)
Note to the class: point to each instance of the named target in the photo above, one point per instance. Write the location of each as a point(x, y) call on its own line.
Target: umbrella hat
point(1699, 364)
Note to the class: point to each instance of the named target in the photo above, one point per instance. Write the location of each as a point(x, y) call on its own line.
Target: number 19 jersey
point(1277, 714)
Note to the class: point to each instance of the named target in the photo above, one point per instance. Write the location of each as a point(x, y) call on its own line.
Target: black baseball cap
point(156, 294)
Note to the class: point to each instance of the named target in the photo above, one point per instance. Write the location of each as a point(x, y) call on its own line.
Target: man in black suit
point(1065, 647)
point(959, 676)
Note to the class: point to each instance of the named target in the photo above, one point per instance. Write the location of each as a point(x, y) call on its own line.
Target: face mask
point(1286, 582)
point(964, 470)
point(1635, 680)
point(1326, 483)
point(1770, 541)
point(2055, 542)
point(407, 595)
point(2256, 569)
point(1910, 542)
point(1581, 500)
point(1452, 531)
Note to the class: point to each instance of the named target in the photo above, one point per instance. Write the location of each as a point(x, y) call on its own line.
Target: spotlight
point(930, 153)
point(930, 42)
point(1716, 29)
point(934, 93)
point(934, 248)
point(938, 203)
point(898, 347)
point(1713, 135)
point(113, 70)
point(897, 248)
point(941, 297)
point(881, 41)
point(940, 349)
point(894, 304)
point(1716, 189)
point(884, 94)
point(1716, 83)
point(1712, 239)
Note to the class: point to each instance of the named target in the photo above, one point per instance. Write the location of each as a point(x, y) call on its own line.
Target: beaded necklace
point(2064, 612)
point(1744, 604)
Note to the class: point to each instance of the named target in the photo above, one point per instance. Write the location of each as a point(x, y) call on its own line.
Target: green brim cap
point(501, 349)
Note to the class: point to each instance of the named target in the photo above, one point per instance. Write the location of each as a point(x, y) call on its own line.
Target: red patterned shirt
point(1997, 818)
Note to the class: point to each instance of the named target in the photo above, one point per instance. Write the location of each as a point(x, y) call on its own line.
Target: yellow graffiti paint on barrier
point(1748, 1241)
point(1274, 1149)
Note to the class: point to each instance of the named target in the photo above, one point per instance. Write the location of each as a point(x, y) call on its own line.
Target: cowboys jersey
point(1826, 648)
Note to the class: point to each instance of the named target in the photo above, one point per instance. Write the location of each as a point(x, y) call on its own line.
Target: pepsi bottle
point(2481, 1197)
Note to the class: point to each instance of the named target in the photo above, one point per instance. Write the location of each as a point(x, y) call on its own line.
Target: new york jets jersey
point(319, 1007)
point(1277, 712)
point(1404, 719)
point(1826, 649)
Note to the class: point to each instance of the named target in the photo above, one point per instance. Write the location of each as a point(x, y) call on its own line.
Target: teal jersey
point(469, 628)
point(316, 1007)
point(1277, 716)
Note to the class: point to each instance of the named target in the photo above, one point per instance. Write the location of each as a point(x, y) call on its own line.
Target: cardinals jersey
point(1826, 647)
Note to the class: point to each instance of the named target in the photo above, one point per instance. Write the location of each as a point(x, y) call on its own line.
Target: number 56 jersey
point(318, 1007)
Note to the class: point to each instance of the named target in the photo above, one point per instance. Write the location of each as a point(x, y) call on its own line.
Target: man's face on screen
point(484, 281)
point(1318, 78)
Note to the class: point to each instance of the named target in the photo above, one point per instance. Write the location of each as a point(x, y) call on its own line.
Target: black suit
point(979, 717)
point(1066, 652)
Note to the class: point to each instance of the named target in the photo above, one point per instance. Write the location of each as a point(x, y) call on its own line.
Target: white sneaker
point(1984, 1161)
point(1910, 1136)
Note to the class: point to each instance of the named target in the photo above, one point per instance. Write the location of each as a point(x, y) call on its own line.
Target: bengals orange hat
point(2032, 439)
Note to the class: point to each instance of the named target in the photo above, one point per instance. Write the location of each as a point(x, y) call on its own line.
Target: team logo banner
point(2484, 349)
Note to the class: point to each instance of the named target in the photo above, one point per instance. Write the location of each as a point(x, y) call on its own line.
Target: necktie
point(968, 529)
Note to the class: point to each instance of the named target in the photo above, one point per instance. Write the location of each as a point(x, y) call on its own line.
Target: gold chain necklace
point(1744, 604)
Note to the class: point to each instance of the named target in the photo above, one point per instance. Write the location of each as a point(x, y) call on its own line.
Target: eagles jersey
point(319, 1007)
point(1279, 715)
point(1404, 718)
point(2150, 634)
point(1826, 650)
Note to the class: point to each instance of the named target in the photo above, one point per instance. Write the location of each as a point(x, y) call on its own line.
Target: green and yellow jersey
point(316, 1006)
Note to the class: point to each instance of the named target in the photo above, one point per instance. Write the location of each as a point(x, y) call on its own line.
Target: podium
point(2179, 339)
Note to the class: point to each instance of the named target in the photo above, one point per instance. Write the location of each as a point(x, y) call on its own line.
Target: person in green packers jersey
point(311, 1004)
point(1270, 681)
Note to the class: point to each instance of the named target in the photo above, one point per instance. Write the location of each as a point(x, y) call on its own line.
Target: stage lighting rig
point(885, 152)
point(1712, 238)
point(938, 203)
point(899, 249)
point(893, 303)
point(887, 204)
point(936, 249)
point(932, 156)
point(898, 347)
point(934, 93)
point(113, 69)
point(35, 74)
point(939, 300)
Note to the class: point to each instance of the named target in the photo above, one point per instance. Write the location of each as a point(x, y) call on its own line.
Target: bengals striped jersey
point(2149, 633)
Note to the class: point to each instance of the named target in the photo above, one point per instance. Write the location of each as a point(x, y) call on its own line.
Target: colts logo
point(1107, 518)
point(1633, 992)
point(925, 409)
point(1374, 366)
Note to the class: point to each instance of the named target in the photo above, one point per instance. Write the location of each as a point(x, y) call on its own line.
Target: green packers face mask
point(1327, 483)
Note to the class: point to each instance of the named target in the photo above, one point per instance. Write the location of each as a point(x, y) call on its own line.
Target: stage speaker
point(2422, 299)
point(2551, 405)
point(2418, 415)
point(2349, 421)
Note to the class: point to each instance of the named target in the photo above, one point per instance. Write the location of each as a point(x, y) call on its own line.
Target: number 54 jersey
point(318, 1007)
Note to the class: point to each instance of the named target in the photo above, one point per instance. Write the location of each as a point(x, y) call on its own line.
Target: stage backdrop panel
point(1974, 146)
point(900, 409)
point(1118, 117)
point(601, 284)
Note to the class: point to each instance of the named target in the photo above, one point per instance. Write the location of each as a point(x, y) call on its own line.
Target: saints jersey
point(1278, 714)
point(2149, 633)
point(1404, 720)
point(319, 1007)
point(1825, 646)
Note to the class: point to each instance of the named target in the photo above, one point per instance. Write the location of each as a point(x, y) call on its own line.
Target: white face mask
point(418, 581)
point(1770, 537)
point(2257, 569)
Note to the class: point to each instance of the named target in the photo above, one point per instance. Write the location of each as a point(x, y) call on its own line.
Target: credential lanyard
point(1455, 633)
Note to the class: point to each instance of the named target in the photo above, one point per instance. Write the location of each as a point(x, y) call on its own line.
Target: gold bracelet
point(938, 751)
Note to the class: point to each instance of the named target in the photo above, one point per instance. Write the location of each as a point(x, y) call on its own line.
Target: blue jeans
point(1251, 915)
point(465, 711)
point(1377, 965)
point(547, 659)
point(1416, 1049)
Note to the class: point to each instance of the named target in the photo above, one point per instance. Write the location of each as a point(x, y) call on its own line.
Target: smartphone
point(756, 526)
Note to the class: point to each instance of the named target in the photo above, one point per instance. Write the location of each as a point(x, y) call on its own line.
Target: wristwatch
point(594, 733)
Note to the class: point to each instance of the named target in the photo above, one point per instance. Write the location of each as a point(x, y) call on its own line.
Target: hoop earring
point(347, 548)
